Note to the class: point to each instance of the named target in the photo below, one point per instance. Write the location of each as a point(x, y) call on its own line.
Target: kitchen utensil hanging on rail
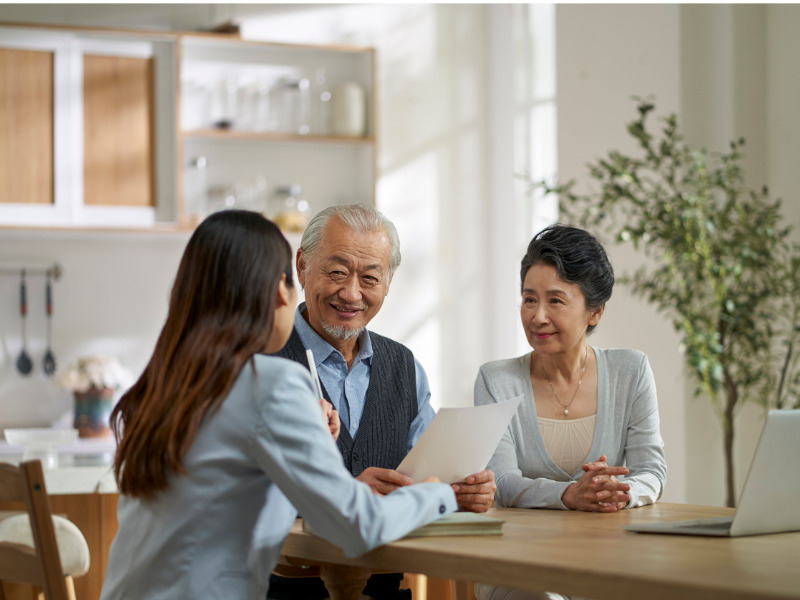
point(24, 362)
point(49, 359)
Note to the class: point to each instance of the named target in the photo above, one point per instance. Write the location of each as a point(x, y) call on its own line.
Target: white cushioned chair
point(37, 547)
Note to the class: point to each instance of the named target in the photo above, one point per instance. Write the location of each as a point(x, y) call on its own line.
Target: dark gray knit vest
point(390, 407)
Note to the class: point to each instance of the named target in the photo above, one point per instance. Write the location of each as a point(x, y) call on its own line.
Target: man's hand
point(332, 419)
point(476, 494)
point(383, 481)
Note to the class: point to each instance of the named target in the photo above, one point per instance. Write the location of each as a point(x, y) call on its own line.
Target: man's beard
point(340, 332)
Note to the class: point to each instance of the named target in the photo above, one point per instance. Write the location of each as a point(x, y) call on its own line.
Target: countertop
point(84, 467)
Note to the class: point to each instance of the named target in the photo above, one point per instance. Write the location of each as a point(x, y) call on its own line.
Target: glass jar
point(289, 209)
point(296, 106)
point(195, 105)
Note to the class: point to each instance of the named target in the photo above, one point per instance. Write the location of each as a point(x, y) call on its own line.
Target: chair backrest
point(41, 565)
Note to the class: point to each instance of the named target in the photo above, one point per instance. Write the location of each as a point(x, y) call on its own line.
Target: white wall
point(782, 102)
point(111, 299)
point(739, 81)
point(605, 55)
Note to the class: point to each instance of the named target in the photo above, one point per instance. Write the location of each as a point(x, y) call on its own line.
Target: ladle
point(24, 362)
point(49, 359)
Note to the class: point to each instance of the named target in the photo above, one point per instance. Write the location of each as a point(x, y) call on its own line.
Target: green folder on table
point(460, 523)
point(457, 523)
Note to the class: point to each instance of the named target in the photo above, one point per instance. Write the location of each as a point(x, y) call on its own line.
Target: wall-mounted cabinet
point(129, 129)
point(85, 132)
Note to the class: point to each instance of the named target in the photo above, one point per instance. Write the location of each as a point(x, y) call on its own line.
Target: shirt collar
point(322, 349)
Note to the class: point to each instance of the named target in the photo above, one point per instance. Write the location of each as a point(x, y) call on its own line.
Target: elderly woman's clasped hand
point(598, 489)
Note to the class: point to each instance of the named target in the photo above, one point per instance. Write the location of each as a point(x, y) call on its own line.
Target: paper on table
point(459, 442)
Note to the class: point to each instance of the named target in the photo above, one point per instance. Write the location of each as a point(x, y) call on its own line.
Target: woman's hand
point(331, 418)
point(383, 481)
point(620, 499)
point(598, 489)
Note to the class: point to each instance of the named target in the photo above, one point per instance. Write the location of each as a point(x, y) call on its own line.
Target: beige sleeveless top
point(568, 442)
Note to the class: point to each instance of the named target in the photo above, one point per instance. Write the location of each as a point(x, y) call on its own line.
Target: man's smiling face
point(345, 282)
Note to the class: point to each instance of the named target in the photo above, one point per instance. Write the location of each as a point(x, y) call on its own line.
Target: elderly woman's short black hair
point(578, 258)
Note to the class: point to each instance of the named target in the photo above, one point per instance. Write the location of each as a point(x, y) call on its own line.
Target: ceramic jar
point(92, 412)
point(349, 110)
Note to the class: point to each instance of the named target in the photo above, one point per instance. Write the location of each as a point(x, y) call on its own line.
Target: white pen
point(312, 366)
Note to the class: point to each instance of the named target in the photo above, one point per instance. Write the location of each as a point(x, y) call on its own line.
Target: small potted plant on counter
point(93, 381)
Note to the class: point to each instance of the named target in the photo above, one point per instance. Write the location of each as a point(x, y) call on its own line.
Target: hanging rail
point(53, 270)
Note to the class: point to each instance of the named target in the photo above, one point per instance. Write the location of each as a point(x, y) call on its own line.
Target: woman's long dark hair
point(221, 313)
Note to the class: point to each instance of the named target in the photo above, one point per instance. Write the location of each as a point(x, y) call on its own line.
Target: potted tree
point(720, 264)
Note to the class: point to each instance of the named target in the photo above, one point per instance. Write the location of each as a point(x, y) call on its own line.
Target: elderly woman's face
point(553, 312)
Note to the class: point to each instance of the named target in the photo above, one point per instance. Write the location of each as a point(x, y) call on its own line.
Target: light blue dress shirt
point(265, 453)
point(348, 388)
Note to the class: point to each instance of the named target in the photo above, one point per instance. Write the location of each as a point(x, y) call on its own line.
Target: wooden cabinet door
point(26, 126)
point(118, 135)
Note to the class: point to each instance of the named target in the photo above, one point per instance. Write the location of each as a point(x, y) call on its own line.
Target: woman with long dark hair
point(220, 445)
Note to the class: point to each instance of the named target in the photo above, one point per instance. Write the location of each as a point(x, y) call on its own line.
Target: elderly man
point(345, 264)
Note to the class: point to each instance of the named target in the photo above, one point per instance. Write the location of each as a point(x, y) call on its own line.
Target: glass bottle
point(195, 191)
point(223, 107)
point(263, 117)
point(320, 103)
point(296, 106)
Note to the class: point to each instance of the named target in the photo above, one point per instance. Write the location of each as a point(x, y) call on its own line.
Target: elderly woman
point(586, 436)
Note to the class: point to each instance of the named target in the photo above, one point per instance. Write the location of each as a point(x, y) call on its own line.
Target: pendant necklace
point(580, 379)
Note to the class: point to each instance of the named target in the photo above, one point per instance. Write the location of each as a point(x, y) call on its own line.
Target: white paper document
point(459, 442)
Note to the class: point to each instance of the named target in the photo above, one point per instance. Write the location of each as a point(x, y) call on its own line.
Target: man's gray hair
point(360, 218)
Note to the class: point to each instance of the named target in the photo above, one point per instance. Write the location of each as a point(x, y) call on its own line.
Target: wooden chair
point(30, 550)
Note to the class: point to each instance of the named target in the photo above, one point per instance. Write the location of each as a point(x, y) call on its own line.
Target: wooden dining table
point(582, 554)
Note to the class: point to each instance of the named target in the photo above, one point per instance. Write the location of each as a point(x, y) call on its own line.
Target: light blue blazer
point(265, 454)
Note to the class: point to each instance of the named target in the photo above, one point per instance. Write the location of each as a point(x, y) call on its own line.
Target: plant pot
point(92, 412)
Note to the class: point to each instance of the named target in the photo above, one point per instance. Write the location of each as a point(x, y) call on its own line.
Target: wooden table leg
point(343, 582)
point(463, 590)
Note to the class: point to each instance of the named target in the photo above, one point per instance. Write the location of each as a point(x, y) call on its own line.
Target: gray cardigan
point(626, 431)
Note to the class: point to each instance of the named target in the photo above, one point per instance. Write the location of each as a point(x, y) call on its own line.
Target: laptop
point(769, 498)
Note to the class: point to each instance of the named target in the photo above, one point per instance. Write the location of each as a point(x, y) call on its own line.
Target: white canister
point(349, 110)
